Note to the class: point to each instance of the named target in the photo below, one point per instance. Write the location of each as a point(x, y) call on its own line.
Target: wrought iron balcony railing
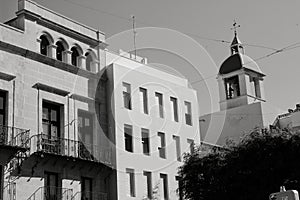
point(52, 193)
point(9, 190)
point(13, 136)
point(89, 196)
point(66, 147)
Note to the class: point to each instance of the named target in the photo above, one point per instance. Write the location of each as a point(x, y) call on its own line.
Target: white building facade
point(94, 124)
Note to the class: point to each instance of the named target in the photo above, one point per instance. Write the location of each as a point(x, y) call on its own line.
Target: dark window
point(175, 108)
point(164, 180)
point(51, 129)
point(85, 126)
point(149, 183)
point(2, 107)
point(59, 50)
point(127, 95)
point(85, 134)
point(162, 148)
point(188, 113)
point(51, 186)
point(159, 97)
point(128, 138)
point(88, 61)
point(44, 45)
point(232, 87)
point(3, 130)
point(51, 120)
point(177, 146)
point(144, 100)
point(74, 56)
point(180, 187)
point(145, 141)
point(131, 179)
point(86, 188)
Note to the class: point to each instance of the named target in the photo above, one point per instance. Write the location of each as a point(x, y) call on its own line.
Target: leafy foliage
point(251, 169)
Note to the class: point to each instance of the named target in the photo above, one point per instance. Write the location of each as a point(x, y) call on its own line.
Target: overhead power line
point(275, 51)
point(287, 48)
point(152, 25)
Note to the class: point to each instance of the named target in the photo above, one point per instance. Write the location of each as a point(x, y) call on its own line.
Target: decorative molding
point(84, 98)
point(50, 89)
point(6, 77)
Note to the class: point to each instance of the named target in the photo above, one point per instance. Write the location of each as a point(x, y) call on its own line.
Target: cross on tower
point(235, 26)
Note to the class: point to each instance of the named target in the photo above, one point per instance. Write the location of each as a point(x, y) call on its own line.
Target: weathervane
point(235, 26)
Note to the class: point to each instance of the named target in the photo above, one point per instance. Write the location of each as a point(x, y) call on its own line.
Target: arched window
point(44, 45)
point(59, 50)
point(88, 61)
point(74, 56)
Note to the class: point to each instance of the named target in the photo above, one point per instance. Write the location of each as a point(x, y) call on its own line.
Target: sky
point(266, 26)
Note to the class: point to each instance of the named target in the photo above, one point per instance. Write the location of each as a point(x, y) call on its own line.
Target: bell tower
point(239, 79)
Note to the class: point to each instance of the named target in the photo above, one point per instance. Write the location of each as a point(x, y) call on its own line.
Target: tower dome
point(239, 61)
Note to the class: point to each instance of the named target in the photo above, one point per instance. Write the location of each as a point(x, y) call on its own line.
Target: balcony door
point(85, 134)
point(3, 130)
point(51, 191)
point(86, 189)
point(51, 128)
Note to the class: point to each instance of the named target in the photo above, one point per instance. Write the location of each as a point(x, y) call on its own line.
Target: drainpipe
point(68, 118)
point(13, 108)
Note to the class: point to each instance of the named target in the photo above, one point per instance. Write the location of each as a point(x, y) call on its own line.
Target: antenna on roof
point(134, 35)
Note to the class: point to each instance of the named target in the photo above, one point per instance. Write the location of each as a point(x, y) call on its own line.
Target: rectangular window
point(149, 184)
point(85, 127)
point(144, 100)
point(128, 138)
point(188, 113)
point(180, 192)
point(131, 182)
point(162, 148)
point(177, 146)
point(127, 95)
point(85, 134)
point(86, 188)
point(159, 98)
point(164, 181)
point(191, 145)
point(51, 185)
point(175, 108)
point(4, 135)
point(2, 108)
point(51, 120)
point(145, 141)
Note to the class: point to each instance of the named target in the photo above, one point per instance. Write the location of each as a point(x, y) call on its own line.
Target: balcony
point(12, 141)
point(89, 196)
point(51, 193)
point(9, 190)
point(70, 148)
point(69, 157)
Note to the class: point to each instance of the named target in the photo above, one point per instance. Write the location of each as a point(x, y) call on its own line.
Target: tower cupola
point(240, 79)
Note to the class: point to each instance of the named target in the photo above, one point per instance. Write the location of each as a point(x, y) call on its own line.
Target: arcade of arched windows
point(73, 55)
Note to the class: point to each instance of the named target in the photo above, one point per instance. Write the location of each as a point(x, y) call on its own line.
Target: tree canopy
point(251, 169)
